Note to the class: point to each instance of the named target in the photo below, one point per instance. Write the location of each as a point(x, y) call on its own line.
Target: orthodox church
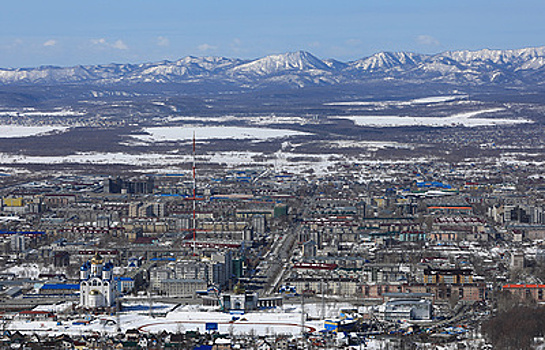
point(97, 285)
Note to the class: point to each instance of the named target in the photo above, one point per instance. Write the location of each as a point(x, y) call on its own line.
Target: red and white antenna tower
point(194, 195)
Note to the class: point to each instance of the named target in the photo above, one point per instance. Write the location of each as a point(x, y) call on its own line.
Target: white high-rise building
point(97, 285)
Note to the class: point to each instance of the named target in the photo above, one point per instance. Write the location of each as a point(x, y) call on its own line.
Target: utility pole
point(150, 300)
point(323, 300)
point(117, 314)
point(302, 314)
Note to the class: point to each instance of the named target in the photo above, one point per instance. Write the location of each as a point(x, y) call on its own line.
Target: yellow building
point(13, 201)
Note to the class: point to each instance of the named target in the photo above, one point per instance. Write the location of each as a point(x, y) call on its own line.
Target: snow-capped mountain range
point(523, 67)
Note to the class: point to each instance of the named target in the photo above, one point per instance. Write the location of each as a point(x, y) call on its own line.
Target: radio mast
point(194, 196)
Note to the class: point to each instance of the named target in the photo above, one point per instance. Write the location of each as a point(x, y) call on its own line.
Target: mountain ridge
point(520, 67)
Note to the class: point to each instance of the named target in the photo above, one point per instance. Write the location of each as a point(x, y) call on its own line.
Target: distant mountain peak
point(300, 68)
point(387, 60)
point(290, 61)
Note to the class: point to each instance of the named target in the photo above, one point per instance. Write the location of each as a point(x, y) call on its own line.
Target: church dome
point(97, 259)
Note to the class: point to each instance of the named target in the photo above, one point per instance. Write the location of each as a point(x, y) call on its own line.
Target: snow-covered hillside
point(300, 69)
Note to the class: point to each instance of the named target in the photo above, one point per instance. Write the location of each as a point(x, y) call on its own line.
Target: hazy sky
point(71, 32)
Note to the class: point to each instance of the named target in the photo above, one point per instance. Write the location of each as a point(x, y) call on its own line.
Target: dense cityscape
point(285, 175)
point(424, 255)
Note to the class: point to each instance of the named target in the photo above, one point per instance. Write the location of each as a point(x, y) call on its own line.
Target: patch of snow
point(437, 99)
point(26, 270)
point(34, 113)
point(189, 318)
point(371, 145)
point(423, 100)
point(462, 119)
point(225, 118)
point(179, 133)
point(267, 120)
point(12, 131)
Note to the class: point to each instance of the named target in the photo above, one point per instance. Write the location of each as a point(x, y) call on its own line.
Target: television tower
point(194, 196)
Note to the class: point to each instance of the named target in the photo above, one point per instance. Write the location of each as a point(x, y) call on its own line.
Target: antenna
point(194, 195)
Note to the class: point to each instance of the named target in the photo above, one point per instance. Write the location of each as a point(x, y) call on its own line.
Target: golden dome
point(97, 259)
point(239, 288)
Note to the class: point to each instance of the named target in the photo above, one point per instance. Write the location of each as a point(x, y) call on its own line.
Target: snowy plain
point(180, 133)
point(466, 119)
point(417, 101)
point(30, 112)
point(13, 131)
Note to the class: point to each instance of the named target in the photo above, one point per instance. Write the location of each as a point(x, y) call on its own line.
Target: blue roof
point(203, 347)
point(5, 232)
point(433, 184)
point(58, 286)
point(124, 279)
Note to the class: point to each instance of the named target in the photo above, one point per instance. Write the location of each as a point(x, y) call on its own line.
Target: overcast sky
point(71, 32)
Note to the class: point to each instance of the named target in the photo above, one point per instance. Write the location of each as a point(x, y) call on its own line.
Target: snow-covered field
point(285, 320)
point(34, 113)
point(180, 133)
point(189, 118)
point(297, 163)
point(370, 145)
point(167, 163)
point(423, 100)
point(437, 99)
point(462, 119)
point(272, 119)
point(11, 131)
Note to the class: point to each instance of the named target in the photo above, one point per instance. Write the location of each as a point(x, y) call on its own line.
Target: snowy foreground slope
point(188, 318)
point(275, 322)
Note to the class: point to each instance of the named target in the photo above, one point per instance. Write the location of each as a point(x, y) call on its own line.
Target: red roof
point(448, 207)
point(523, 286)
point(35, 312)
